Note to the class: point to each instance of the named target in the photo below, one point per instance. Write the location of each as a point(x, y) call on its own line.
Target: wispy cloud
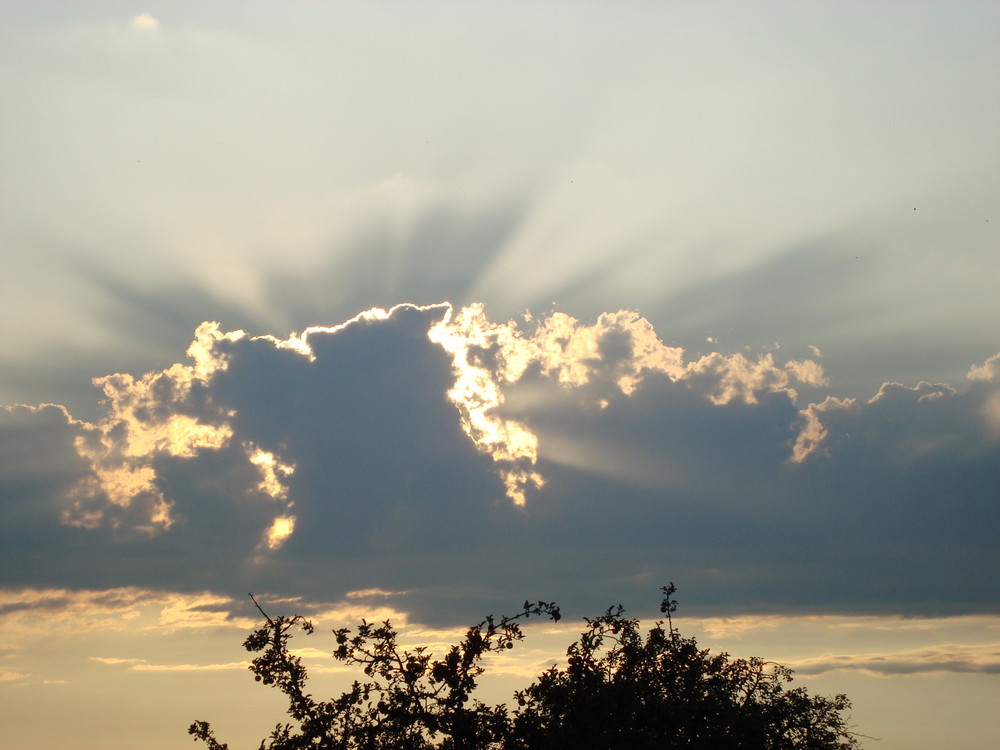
point(141, 665)
point(115, 661)
point(981, 659)
point(31, 612)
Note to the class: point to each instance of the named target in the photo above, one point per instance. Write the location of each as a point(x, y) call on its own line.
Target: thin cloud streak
point(959, 658)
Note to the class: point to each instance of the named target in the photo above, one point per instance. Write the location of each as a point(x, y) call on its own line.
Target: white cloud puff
point(145, 21)
point(986, 371)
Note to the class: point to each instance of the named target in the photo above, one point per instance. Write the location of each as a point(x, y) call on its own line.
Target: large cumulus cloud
point(462, 462)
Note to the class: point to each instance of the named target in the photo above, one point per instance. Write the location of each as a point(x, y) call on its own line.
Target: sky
point(419, 310)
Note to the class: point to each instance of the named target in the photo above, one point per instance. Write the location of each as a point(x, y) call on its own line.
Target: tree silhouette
point(618, 689)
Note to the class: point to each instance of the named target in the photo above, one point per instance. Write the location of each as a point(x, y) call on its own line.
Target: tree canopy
point(618, 688)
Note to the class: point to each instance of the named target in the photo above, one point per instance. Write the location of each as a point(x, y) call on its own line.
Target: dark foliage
point(618, 689)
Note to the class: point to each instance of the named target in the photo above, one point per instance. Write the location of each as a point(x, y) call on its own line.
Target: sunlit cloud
point(274, 474)
point(141, 665)
point(909, 424)
point(382, 443)
point(201, 611)
point(160, 413)
point(173, 413)
point(354, 610)
point(145, 21)
point(189, 667)
point(280, 530)
point(614, 355)
point(468, 337)
point(739, 625)
point(807, 372)
point(115, 660)
point(982, 659)
point(986, 371)
point(52, 612)
point(273, 471)
point(431, 463)
point(372, 593)
point(875, 645)
point(812, 432)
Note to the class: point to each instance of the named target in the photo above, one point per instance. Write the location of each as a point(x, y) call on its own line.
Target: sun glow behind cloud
point(618, 351)
point(434, 460)
point(177, 413)
point(503, 379)
point(470, 338)
point(341, 438)
point(597, 161)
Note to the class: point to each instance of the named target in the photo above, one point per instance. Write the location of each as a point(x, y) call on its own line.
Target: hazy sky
point(428, 308)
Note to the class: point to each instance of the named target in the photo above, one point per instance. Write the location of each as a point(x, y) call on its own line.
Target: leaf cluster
point(620, 689)
point(407, 700)
point(617, 689)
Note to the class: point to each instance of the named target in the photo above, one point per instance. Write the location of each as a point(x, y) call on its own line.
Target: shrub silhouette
point(617, 689)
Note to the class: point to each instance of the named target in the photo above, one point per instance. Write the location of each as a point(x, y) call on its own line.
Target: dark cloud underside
point(472, 463)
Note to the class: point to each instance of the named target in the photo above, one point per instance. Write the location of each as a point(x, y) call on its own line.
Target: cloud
point(877, 645)
point(986, 371)
point(114, 660)
point(980, 658)
point(449, 463)
point(901, 424)
point(141, 665)
point(59, 612)
point(145, 21)
point(611, 357)
point(38, 459)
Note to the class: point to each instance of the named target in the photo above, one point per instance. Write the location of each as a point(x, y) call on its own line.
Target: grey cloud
point(653, 468)
point(382, 470)
point(39, 467)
